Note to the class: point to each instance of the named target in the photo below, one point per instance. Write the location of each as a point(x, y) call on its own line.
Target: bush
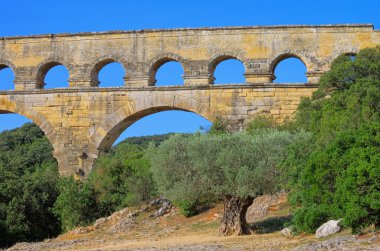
point(76, 204)
point(122, 178)
point(308, 218)
point(187, 208)
point(219, 126)
point(260, 123)
point(336, 175)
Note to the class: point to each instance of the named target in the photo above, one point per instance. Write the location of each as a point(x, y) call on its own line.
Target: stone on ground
point(328, 228)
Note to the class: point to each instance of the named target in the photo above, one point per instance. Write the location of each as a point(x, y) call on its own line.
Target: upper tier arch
point(43, 67)
point(92, 72)
point(156, 62)
point(221, 56)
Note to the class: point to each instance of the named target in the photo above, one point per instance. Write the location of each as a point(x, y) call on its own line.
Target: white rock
point(287, 232)
point(328, 228)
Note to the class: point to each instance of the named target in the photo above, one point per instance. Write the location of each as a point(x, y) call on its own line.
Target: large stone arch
point(97, 64)
point(156, 62)
point(221, 56)
point(102, 138)
point(7, 106)
point(43, 67)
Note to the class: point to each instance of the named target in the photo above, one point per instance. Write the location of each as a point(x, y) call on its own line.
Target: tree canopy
point(28, 178)
point(237, 167)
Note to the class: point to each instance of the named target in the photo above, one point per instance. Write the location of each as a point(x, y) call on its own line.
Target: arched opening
point(11, 109)
point(53, 75)
point(108, 73)
point(165, 122)
point(6, 78)
point(227, 70)
point(125, 158)
point(158, 120)
point(11, 120)
point(166, 72)
point(290, 69)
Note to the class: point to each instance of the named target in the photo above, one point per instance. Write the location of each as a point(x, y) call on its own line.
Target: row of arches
point(110, 73)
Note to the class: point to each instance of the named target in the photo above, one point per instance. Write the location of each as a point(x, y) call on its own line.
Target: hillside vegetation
point(337, 174)
point(35, 203)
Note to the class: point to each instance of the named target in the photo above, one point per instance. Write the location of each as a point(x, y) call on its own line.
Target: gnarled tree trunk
point(234, 221)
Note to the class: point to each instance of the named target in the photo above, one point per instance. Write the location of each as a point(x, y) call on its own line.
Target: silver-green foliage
point(240, 164)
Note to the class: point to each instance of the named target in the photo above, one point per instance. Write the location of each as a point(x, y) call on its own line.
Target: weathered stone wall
point(83, 121)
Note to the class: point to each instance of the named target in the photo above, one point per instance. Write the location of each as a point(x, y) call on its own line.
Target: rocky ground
point(159, 226)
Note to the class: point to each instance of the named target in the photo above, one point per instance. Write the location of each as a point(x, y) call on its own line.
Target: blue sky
point(45, 17)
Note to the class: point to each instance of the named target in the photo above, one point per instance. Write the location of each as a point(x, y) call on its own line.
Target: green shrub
point(308, 218)
point(187, 208)
point(76, 204)
point(219, 126)
point(260, 123)
point(337, 174)
point(122, 178)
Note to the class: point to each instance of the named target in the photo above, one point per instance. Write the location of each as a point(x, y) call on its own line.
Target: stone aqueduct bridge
point(82, 121)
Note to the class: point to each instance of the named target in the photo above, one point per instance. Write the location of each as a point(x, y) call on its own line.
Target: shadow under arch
point(7, 106)
point(116, 123)
point(160, 60)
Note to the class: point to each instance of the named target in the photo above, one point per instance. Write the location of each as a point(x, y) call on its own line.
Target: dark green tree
point(28, 186)
point(76, 204)
point(122, 178)
point(336, 175)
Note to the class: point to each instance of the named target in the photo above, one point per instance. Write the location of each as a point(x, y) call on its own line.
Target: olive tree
point(234, 167)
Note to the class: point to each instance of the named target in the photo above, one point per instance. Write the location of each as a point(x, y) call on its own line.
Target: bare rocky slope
point(159, 226)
